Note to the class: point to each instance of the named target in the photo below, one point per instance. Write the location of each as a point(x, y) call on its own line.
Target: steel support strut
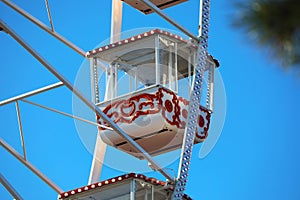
point(193, 109)
point(169, 19)
point(44, 27)
point(30, 166)
point(10, 188)
point(28, 94)
point(92, 106)
point(21, 130)
point(66, 114)
point(115, 35)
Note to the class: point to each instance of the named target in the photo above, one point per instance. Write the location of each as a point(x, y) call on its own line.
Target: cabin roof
point(133, 39)
point(115, 180)
point(162, 4)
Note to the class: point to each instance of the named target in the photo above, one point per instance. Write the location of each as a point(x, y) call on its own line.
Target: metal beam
point(193, 108)
point(31, 93)
point(132, 189)
point(49, 15)
point(91, 105)
point(10, 188)
point(100, 146)
point(169, 19)
point(66, 114)
point(44, 27)
point(116, 20)
point(21, 130)
point(42, 176)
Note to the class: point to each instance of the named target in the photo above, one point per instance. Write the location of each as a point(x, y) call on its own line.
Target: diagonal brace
point(91, 105)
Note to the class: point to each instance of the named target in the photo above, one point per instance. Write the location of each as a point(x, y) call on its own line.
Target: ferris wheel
point(153, 66)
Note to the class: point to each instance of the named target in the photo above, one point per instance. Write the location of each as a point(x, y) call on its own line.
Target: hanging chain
point(193, 109)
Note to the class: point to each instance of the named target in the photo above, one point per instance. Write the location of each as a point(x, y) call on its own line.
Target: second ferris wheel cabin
point(149, 77)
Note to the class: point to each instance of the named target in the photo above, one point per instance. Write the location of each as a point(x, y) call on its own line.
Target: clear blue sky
point(256, 157)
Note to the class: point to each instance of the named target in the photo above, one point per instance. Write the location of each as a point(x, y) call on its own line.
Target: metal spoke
point(170, 20)
point(91, 105)
point(21, 129)
point(44, 27)
point(31, 93)
point(194, 104)
point(12, 151)
point(67, 114)
point(49, 14)
point(10, 188)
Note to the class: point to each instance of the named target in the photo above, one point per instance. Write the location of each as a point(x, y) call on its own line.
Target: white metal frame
point(21, 130)
point(31, 167)
point(100, 146)
point(193, 108)
point(10, 188)
point(44, 27)
point(31, 93)
point(116, 27)
point(91, 105)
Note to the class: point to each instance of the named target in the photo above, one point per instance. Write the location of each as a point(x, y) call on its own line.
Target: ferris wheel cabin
point(148, 78)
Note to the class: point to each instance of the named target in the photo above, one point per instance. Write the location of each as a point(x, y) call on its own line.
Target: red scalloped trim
point(145, 104)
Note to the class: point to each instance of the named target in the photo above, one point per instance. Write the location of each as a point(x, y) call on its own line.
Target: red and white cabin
point(148, 79)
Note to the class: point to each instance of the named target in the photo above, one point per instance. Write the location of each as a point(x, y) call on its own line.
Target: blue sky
point(256, 157)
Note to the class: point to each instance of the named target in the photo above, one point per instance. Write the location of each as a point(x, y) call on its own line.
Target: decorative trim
point(172, 107)
point(91, 53)
point(117, 179)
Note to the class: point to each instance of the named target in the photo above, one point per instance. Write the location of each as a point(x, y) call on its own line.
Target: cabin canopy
point(155, 57)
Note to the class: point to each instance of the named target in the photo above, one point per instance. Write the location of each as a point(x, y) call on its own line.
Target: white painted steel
point(189, 73)
point(44, 27)
point(132, 189)
point(49, 14)
point(211, 87)
point(91, 105)
point(21, 130)
point(31, 93)
point(176, 67)
point(194, 104)
point(100, 146)
point(157, 60)
point(170, 68)
point(31, 167)
point(116, 77)
point(116, 20)
point(10, 188)
point(67, 114)
point(171, 21)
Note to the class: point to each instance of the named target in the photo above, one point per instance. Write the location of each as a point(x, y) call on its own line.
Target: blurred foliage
point(275, 25)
